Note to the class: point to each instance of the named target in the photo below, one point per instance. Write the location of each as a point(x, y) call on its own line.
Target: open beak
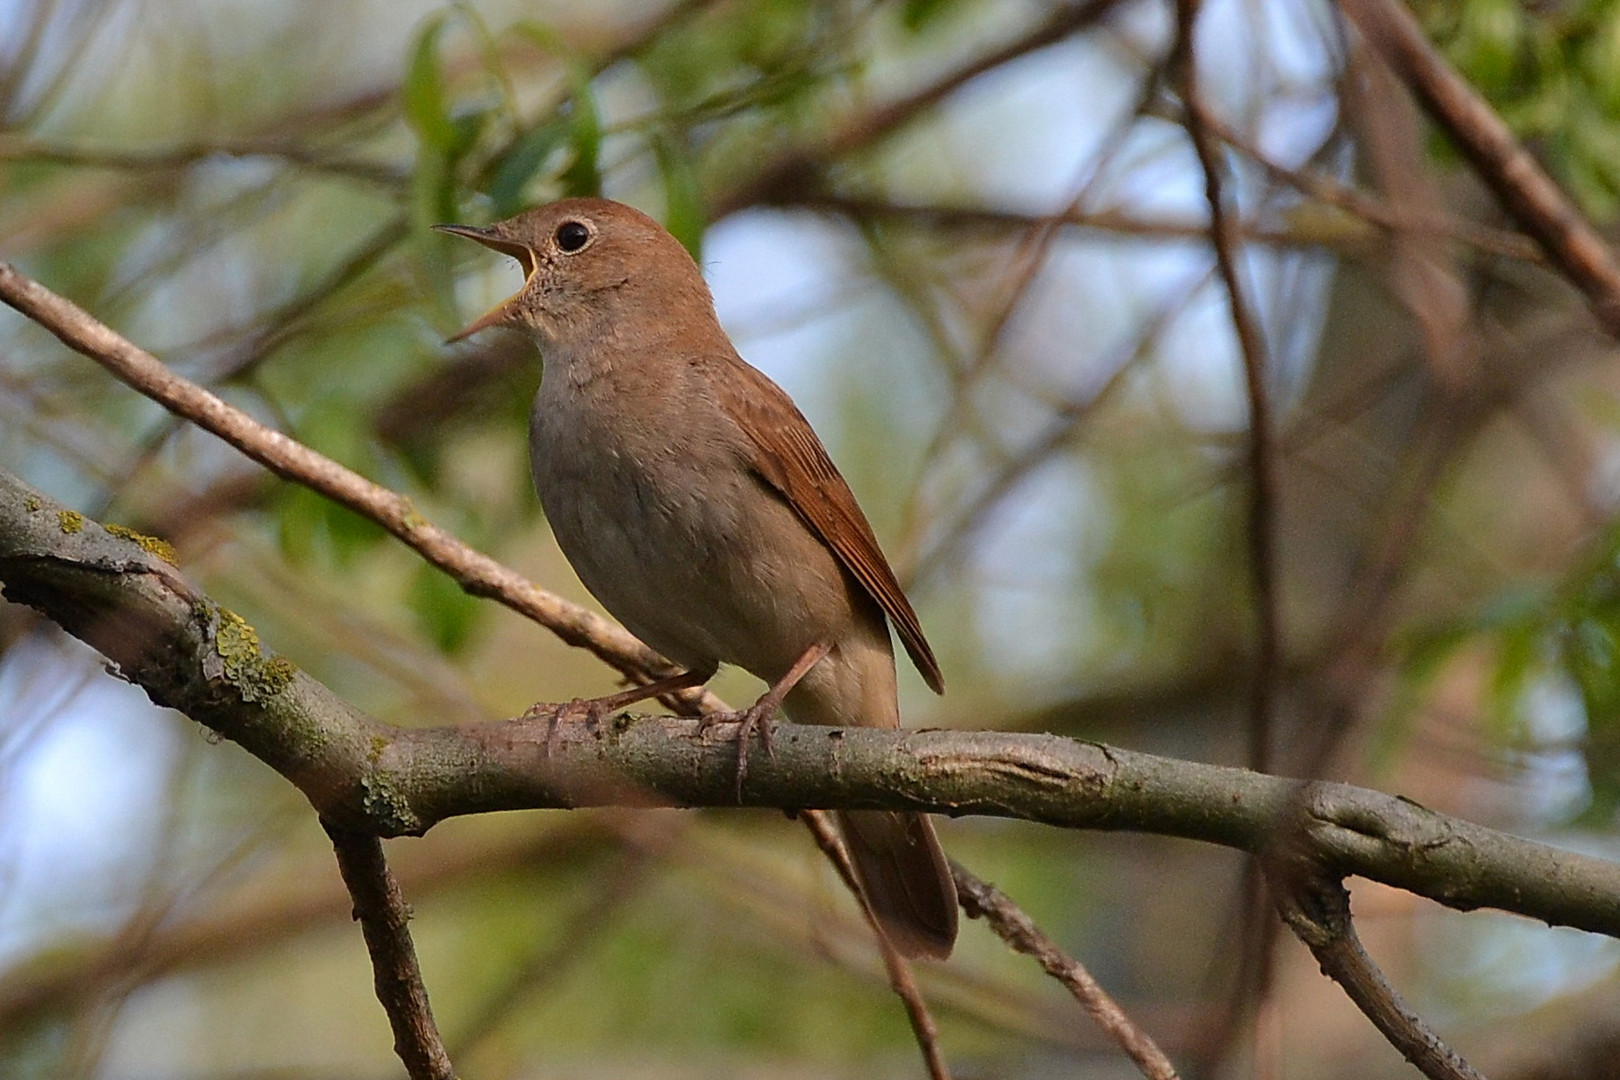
point(496, 238)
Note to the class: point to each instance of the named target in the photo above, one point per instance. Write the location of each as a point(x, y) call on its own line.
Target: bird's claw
point(757, 717)
point(554, 713)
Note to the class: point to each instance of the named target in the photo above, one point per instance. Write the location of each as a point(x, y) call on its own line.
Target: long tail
point(905, 877)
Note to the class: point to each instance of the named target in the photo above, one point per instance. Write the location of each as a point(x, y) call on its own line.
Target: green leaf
point(433, 202)
point(310, 526)
point(581, 118)
point(915, 15)
point(683, 198)
point(426, 109)
point(583, 175)
point(524, 158)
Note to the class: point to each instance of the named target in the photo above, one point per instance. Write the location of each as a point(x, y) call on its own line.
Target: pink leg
point(760, 713)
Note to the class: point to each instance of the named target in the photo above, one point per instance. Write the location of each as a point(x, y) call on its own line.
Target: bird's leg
point(593, 709)
point(760, 713)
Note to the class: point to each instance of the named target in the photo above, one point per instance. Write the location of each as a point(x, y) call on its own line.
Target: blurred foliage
point(1552, 70)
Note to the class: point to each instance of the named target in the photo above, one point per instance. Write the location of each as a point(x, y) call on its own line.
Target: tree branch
point(383, 915)
point(980, 899)
point(923, 1028)
point(1317, 909)
point(364, 775)
point(1516, 179)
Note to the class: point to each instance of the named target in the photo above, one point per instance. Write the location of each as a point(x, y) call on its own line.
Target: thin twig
point(1257, 934)
point(980, 899)
point(14, 147)
point(383, 915)
point(900, 978)
point(1316, 908)
point(1387, 215)
point(780, 179)
point(1262, 468)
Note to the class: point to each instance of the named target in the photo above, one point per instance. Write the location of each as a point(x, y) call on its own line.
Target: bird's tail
point(906, 879)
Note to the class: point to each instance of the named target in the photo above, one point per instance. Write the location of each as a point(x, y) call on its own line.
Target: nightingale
point(697, 505)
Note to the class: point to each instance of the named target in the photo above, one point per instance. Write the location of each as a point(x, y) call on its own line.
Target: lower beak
point(493, 237)
point(499, 315)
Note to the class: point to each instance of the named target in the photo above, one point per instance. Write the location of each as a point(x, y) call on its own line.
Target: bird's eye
point(572, 236)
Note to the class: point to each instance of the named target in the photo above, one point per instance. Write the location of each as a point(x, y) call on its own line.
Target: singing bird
point(695, 502)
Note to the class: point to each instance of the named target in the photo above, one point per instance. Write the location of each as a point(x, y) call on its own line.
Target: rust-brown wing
point(793, 461)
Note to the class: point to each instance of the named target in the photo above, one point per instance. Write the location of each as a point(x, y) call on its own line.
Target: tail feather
point(906, 879)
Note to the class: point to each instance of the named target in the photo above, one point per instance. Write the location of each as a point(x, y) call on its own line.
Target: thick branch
point(369, 776)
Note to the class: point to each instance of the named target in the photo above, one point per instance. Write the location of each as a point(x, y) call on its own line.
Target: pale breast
point(673, 534)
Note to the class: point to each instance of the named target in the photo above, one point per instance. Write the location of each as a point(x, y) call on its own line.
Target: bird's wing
point(792, 460)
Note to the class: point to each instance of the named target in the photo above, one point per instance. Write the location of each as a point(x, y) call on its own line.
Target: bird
point(696, 503)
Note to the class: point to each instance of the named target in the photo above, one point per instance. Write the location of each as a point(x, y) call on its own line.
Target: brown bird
point(696, 503)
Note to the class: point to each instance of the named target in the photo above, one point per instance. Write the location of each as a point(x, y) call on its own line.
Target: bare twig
point(1316, 908)
point(787, 175)
point(980, 899)
point(1262, 467)
point(1256, 936)
point(15, 147)
point(1382, 213)
point(923, 1028)
point(380, 909)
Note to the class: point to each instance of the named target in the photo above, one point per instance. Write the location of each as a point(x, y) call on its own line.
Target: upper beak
point(495, 237)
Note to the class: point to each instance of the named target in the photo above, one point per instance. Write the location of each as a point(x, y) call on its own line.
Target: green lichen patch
point(152, 545)
point(71, 521)
point(388, 807)
point(256, 677)
point(412, 518)
point(32, 504)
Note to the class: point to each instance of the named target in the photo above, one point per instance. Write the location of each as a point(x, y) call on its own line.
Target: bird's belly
point(672, 555)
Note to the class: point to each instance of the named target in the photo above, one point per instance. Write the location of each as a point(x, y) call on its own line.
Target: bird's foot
point(760, 716)
point(590, 710)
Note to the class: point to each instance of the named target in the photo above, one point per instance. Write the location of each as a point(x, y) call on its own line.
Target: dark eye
point(572, 236)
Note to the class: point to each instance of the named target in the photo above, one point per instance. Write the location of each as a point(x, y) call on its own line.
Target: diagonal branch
point(1514, 176)
point(475, 572)
point(980, 898)
point(1317, 909)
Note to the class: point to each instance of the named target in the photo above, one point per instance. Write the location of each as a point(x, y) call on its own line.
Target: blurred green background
point(967, 237)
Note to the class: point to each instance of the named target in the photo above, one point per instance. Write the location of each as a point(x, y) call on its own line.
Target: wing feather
point(790, 457)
